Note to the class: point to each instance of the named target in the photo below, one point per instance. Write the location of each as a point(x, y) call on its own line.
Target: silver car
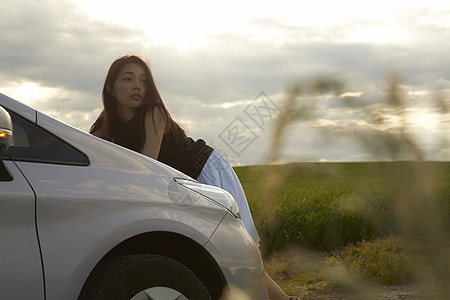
point(82, 218)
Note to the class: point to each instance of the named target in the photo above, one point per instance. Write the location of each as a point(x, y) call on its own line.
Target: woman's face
point(130, 88)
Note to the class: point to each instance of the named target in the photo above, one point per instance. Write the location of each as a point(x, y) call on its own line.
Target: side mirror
point(6, 130)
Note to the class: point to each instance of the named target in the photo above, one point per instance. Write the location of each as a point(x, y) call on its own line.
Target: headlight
point(215, 194)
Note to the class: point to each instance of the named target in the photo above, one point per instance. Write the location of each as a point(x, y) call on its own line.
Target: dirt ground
point(297, 274)
point(394, 292)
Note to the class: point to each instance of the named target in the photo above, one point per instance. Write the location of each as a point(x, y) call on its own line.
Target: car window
point(34, 144)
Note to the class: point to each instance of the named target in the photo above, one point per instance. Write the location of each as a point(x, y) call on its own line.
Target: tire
point(134, 276)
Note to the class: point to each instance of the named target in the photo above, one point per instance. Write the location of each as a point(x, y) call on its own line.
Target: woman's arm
point(155, 127)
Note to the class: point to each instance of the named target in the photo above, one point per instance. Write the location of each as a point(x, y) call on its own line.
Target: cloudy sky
point(224, 69)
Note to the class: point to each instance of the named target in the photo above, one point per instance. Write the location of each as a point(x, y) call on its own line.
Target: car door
point(33, 154)
point(20, 260)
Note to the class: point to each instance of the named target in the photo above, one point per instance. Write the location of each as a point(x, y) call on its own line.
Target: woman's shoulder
point(97, 133)
point(97, 128)
point(155, 112)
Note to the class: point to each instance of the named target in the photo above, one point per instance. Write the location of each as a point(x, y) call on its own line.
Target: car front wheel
point(143, 277)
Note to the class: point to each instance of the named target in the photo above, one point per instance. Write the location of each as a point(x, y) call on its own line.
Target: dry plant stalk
point(417, 212)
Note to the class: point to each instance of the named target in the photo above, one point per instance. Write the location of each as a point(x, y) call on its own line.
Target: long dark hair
point(108, 120)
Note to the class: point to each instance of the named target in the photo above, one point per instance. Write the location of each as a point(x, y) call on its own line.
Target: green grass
point(325, 206)
point(364, 216)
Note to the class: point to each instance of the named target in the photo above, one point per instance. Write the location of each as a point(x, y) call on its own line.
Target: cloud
point(53, 43)
point(57, 48)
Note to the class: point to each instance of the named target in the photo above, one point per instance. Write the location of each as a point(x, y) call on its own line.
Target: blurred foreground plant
point(418, 201)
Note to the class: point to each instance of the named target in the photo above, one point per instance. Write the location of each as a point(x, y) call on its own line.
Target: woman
point(135, 117)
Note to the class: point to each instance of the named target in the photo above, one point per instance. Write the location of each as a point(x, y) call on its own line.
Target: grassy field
point(330, 228)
